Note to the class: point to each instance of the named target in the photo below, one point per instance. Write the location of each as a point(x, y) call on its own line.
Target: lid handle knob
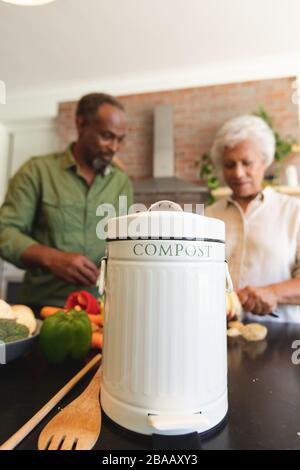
point(165, 206)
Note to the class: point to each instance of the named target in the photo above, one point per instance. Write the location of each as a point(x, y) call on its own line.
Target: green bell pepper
point(66, 334)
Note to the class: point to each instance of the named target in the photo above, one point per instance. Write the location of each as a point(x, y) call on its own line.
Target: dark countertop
point(264, 397)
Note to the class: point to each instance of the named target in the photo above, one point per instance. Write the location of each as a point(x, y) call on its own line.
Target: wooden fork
point(78, 425)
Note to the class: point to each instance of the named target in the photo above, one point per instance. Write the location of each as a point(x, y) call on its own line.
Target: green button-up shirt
point(48, 202)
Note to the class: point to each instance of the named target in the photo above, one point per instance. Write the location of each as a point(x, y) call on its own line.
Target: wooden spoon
point(16, 438)
point(76, 427)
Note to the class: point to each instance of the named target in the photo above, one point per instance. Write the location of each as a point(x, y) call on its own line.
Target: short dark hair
point(87, 106)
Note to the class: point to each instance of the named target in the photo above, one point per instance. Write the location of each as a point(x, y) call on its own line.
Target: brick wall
point(198, 113)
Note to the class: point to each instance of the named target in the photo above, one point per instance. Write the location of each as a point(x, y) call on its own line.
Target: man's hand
point(74, 268)
point(258, 300)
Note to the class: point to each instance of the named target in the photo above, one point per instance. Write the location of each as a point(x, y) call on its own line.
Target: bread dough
point(254, 332)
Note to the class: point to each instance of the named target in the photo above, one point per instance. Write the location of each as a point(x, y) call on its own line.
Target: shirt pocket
point(63, 223)
point(50, 215)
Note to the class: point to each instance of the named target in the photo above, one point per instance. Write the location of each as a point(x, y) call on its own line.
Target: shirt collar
point(68, 158)
point(260, 198)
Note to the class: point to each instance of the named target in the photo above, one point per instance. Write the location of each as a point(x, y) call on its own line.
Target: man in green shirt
point(48, 219)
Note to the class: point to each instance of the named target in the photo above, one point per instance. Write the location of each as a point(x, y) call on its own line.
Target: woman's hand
point(258, 300)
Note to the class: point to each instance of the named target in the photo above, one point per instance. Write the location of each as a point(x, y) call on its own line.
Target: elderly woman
point(262, 226)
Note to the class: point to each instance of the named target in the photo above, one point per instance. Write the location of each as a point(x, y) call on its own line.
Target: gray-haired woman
point(262, 225)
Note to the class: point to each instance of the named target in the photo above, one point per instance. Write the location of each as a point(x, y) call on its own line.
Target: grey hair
point(241, 128)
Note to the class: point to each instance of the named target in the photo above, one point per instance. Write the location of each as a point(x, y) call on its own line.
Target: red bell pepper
point(83, 299)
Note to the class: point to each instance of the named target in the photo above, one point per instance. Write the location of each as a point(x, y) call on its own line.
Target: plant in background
point(208, 173)
point(283, 147)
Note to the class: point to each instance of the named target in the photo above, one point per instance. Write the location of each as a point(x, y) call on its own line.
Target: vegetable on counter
point(66, 335)
point(45, 312)
point(25, 316)
point(18, 314)
point(85, 300)
point(97, 340)
point(78, 302)
point(6, 310)
point(10, 330)
point(97, 337)
point(96, 319)
point(48, 311)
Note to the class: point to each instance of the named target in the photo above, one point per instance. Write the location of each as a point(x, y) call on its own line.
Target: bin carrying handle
point(102, 276)
point(229, 284)
point(165, 206)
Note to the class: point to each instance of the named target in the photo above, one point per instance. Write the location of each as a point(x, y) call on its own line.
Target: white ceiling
point(71, 42)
